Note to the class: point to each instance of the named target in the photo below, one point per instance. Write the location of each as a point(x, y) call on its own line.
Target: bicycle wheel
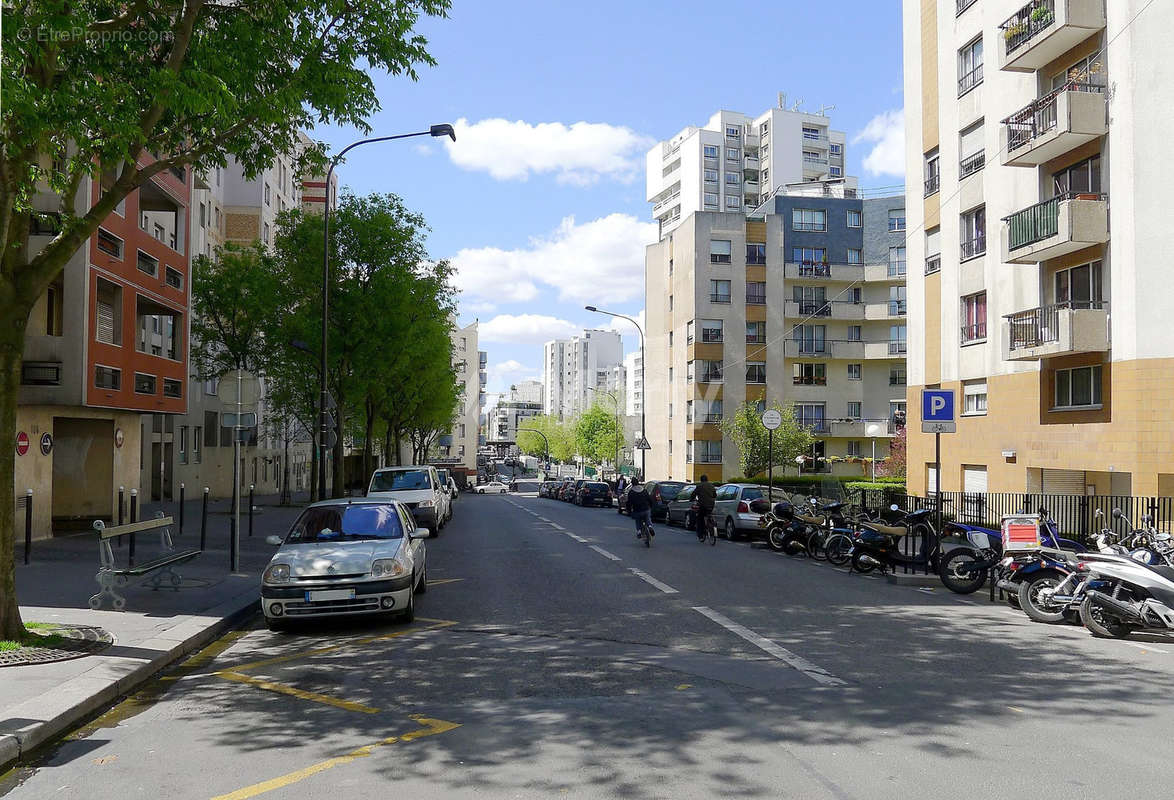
point(712, 526)
point(816, 544)
point(647, 536)
point(838, 549)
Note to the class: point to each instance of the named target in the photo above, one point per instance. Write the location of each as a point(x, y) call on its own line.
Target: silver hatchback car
point(346, 557)
point(732, 509)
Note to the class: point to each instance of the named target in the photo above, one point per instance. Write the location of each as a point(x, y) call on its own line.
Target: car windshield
point(341, 523)
point(669, 490)
point(443, 473)
point(403, 480)
point(751, 494)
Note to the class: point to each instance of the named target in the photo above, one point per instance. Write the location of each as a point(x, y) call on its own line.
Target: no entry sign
point(22, 443)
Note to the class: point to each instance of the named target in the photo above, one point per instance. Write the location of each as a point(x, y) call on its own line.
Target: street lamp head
point(443, 129)
point(591, 308)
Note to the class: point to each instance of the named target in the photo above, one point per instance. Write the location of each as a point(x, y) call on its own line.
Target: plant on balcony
point(1014, 29)
point(1041, 15)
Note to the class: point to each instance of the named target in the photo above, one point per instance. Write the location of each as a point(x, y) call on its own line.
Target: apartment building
point(1036, 134)
point(459, 446)
point(735, 162)
point(573, 368)
point(803, 303)
point(107, 343)
point(522, 402)
point(633, 396)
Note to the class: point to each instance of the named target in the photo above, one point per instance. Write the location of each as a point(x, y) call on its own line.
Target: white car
point(350, 556)
point(419, 488)
point(493, 487)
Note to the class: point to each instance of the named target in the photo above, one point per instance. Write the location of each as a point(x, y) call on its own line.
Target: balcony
point(1064, 224)
point(1053, 125)
point(1043, 30)
point(750, 187)
point(862, 428)
point(933, 264)
point(885, 273)
point(932, 184)
point(667, 203)
point(1056, 330)
point(846, 273)
point(750, 163)
point(885, 310)
point(828, 309)
point(828, 349)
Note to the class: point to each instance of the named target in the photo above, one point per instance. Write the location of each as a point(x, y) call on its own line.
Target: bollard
point(181, 509)
point(251, 510)
point(121, 491)
point(28, 524)
point(232, 540)
point(204, 522)
point(134, 510)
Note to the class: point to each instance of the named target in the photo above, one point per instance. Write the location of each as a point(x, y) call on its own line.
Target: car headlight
point(276, 573)
point(388, 568)
point(426, 504)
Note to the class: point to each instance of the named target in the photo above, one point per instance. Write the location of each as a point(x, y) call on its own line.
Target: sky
point(539, 204)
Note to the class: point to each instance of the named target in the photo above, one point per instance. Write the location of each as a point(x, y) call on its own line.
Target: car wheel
point(433, 531)
point(422, 588)
point(408, 615)
point(730, 532)
point(276, 624)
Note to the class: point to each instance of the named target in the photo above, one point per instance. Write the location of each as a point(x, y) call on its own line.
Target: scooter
point(1137, 597)
point(877, 545)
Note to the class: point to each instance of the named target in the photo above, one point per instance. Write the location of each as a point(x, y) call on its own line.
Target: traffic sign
point(248, 419)
point(249, 388)
point(46, 443)
point(937, 411)
point(642, 444)
point(771, 419)
point(22, 443)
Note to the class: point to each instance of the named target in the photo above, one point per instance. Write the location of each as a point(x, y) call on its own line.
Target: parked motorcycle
point(964, 569)
point(1135, 597)
point(879, 545)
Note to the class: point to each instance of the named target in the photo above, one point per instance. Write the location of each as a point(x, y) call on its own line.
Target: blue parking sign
point(937, 411)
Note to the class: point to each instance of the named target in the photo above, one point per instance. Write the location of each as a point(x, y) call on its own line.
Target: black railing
point(719, 298)
point(819, 308)
point(933, 264)
point(755, 299)
point(719, 258)
point(812, 270)
point(962, 5)
point(972, 164)
point(970, 80)
point(809, 380)
point(896, 308)
point(1026, 23)
point(713, 419)
point(973, 333)
point(1039, 117)
point(756, 338)
point(709, 336)
point(973, 247)
point(710, 377)
point(932, 184)
point(1039, 326)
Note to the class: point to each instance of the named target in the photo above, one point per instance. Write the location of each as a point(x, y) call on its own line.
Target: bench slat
point(151, 566)
point(135, 527)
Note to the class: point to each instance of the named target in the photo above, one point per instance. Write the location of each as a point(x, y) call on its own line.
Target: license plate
point(324, 595)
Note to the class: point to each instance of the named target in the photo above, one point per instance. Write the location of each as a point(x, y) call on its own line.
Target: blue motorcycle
point(964, 569)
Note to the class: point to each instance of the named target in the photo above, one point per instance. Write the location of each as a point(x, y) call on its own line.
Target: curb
point(923, 581)
point(43, 718)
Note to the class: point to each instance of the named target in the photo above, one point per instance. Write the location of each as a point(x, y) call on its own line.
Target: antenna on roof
point(823, 109)
point(782, 99)
point(798, 103)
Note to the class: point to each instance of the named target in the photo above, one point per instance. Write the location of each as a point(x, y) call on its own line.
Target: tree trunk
point(286, 496)
point(314, 470)
point(11, 351)
point(368, 444)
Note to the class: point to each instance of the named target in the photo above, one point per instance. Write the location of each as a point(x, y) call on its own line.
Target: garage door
point(1063, 481)
point(973, 479)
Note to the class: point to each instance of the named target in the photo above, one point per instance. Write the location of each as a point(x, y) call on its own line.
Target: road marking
point(1017, 710)
point(576, 537)
point(604, 553)
point(1145, 647)
point(781, 653)
point(431, 728)
point(438, 581)
point(436, 624)
point(644, 576)
point(282, 688)
point(556, 526)
point(683, 686)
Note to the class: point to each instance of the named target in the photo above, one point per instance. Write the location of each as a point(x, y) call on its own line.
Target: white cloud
point(510, 367)
point(423, 149)
point(579, 154)
point(525, 329)
point(601, 261)
point(479, 308)
point(887, 131)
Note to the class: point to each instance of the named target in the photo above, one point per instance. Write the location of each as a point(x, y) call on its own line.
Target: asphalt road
point(555, 656)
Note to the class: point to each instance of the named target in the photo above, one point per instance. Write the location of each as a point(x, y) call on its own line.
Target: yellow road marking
point(206, 655)
point(431, 728)
point(682, 687)
point(301, 694)
point(437, 623)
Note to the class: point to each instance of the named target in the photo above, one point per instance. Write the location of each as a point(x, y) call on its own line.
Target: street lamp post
point(443, 129)
point(545, 442)
point(643, 394)
point(617, 436)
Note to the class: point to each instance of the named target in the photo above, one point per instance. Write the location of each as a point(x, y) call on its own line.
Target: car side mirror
point(419, 533)
point(273, 540)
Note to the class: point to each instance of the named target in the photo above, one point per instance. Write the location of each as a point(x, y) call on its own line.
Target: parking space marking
point(781, 653)
point(436, 624)
point(644, 576)
point(281, 688)
point(1145, 648)
point(431, 727)
point(576, 537)
point(438, 581)
point(604, 553)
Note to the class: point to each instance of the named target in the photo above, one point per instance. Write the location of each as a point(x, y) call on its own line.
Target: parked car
point(549, 488)
point(593, 493)
point(732, 509)
point(419, 488)
point(659, 493)
point(679, 511)
point(346, 557)
point(492, 487)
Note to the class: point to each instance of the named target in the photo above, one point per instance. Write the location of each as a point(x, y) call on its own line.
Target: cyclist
point(705, 495)
point(640, 507)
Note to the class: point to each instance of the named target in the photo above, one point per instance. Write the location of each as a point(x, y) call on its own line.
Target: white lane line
point(604, 553)
point(781, 653)
point(644, 576)
point(1151, 648)
point(557, 527)
point(576, 537)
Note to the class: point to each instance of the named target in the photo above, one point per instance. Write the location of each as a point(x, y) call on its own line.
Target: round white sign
point(771, 419)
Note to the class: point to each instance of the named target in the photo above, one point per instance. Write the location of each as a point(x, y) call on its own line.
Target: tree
point(120, 92)
point(233, 299)
point(750, 436)
point(560, 434)
point(894, 465)
point(597, 436)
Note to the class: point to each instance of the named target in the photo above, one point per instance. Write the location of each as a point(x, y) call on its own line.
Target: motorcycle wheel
point(861, 565)
point(776, 537)
point(838, 549)
point(1029, 599)
point(1099, 624)
point(815, 545)
point(956, 577)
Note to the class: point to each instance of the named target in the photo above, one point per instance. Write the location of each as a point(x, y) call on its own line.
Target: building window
point(854, 449)
point(896, 376)
point(756, 254)
point(265, 232)
point(896, 261)
point(812, 339)
point(853, 333)
point(765, 175)
point(211, 426)
point(811, 415)
point(809, 219)
point(719, 251)
point(897, 300)
point(172, 388)
point(855, 255)
point(148, 264)
point(811, 133)
point(710, 371)
point(971, 150)
point(756, 293)
point(854, 411)
point(973, 231)
point(933, 251)
point(159, 329)
point(970, 66)
point(711, 176)
point(733, 201)
point(1079, 287)
point(836, 149)
point(174, 278)
point(896, 220)
point(809, 374)
point(40, 373)
point(733, 154)
point(834, 171)
point(711, 330)
point(1079, 387)
point(183, 444)
point(733, 132)
point(855, 218)
point(933, 172)
point(267, 194)
point(109, 244)
point(1082, 178)
point(107, 378)
point(974, 318)
point(755, 333)
point(144, 384)
point(719, 291)
point(733, 179)
point(688, 334)
point(197, 442)
point(670, 302)
point(108, 322)
point(709, 151)
point(711, 201)
point(974, 398)
point(896, 340)
point(855, 372)
point(811, 256)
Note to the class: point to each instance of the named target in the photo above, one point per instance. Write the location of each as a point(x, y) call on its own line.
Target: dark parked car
point(572, 491)
point(680, 510)
point(660, 492)
point(593, 493)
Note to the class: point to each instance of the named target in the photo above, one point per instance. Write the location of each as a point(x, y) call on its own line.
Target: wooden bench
point(159, 569)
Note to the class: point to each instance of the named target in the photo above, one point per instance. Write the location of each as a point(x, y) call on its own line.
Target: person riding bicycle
point(640, 507)
point(706, 496)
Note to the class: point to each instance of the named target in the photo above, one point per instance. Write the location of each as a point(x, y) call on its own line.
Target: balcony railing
point(1038, 118)
point(972, 164)
point(974, 247)
point(815, 308)
point(933, 264)
point(709, 336)
point(719, 298)
point(974, 333)
point(817, 160)
point(1026, 23)
point(1036, 223)
point(896, 308)
point(710, 377)
point(970, 80)
point(1040, 326)
point(810, 269)
point(962, 5)
point(897, 348)
point(755, 260)
point(809, 380)
point(816, 425)
point(712, 419)
point(932, 184)
point(756, 338)
point(755, 299)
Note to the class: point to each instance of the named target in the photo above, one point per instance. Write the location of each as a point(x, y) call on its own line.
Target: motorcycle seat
point(809, 520)
point(887, 530)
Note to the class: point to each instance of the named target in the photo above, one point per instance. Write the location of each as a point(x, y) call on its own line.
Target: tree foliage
point(597, 434)
point(233, 300)
point(747, 433)
point(561, 436)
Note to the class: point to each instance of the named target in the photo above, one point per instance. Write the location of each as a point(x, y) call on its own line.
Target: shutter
point(1063, 481)
point(931, 479)
point(105, 322)
point(970, 142)
point(933, 242)
point(974, 479)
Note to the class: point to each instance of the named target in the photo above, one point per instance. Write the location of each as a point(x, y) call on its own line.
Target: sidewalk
point(39, 702)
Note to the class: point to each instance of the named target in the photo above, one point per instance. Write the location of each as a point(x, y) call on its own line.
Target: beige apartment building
point(1037, 135)
point(802, 303)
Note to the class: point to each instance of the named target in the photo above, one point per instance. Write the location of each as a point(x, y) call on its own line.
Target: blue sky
point(540, 203)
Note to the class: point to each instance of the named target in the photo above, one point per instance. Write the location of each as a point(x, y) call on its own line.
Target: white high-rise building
point(572, 366)
point(734, 162)
point(633, 397)
point(526, 392)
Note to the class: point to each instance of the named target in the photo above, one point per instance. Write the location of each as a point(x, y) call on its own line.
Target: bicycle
point(645, 534)
point(710, 530)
